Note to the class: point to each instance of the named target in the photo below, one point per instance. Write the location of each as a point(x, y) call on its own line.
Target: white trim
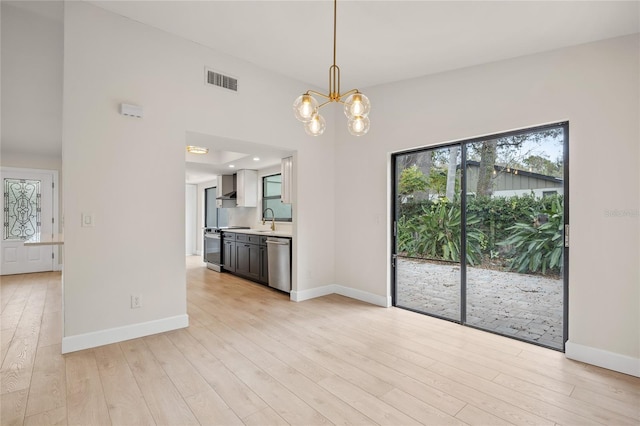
point(601, 358)
point(119, 334)
point(58, 267)
point(299, 296)
point(364, 296)
point(374, 299)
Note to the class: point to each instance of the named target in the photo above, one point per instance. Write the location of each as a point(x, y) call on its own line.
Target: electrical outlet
point(136, 301)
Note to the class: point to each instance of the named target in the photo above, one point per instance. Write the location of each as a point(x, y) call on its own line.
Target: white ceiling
point(223, 153)
point(382, 41)
point(378, 42)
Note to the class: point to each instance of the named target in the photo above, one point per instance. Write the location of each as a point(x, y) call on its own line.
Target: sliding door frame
point(463, 220)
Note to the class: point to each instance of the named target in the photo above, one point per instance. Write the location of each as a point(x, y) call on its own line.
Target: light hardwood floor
point(250, 356)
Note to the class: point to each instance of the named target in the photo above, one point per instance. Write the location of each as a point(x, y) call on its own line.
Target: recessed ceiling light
point(256, 158)
point(231, 166)
point(197, 149)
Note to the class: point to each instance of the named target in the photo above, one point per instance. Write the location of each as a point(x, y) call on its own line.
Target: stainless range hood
point(228, 196)
point(226, 190)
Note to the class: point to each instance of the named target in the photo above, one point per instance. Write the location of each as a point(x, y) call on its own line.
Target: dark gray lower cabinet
point(248, 260)
point(229, 251)
point(264, 265)
point(246, 255)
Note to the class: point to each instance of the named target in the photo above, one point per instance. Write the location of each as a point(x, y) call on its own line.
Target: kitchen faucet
point(273, 218)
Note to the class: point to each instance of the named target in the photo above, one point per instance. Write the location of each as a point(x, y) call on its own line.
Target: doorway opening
point(479, 233)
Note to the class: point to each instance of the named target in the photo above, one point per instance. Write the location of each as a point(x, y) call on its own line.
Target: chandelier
point(356, 105)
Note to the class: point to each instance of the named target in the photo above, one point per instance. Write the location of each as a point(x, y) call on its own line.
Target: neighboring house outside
point(508, 182)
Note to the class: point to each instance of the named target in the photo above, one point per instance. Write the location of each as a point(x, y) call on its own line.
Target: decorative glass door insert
point(22, 208)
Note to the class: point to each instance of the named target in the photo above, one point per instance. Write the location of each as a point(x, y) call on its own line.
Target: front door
point(28, 211)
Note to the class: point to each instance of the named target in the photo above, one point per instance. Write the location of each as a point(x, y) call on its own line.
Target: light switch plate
point(88, 220)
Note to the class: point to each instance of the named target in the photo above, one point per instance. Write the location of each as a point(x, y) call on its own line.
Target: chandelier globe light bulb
point(357, 105)
point(304, 107)
point(315, 126)
point(358, 125)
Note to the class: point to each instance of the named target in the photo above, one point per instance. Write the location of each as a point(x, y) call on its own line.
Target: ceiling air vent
point(215, 78)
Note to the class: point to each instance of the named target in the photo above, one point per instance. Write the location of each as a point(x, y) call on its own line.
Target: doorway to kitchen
point(496, 257)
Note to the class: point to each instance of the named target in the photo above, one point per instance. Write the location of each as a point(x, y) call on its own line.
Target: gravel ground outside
point(525, 306)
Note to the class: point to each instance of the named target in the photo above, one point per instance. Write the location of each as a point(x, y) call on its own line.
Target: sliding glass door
point(494, 258)
point(428, 214)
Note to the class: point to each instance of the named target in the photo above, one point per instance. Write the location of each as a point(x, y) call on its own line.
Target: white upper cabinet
point(286, 169)
point(247, 188)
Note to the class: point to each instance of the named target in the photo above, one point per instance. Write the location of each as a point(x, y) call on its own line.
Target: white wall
point(191, 219)
point(31, 86)
point(595, 87)
point(32, 47)
point(200, 209)
point(130, 172)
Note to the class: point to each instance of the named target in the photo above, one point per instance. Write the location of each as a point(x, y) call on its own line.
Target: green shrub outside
point(503, 228)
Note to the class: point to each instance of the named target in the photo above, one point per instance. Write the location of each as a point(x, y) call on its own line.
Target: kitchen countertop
point(266, 233)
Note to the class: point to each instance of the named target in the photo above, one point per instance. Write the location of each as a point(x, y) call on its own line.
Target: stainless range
point(213, 246)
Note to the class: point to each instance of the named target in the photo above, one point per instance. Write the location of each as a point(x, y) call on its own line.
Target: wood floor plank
point(419, 410)
point(237, 395)
point(474, 416)
point(18, 362)
point(594, 411)
point(56, 417)
point(183, 375)
point(124, 399)
point(544, 411)
point(608, 403)
point(7, 336)
point(13, 405)
point(50, 329)
point(141, 360)
point(48, 384)
point(266, 416)
point(209, 408)
point(165, 402)
point(86, 404)
point(379, 411)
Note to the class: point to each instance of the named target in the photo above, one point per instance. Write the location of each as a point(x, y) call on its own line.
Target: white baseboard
point(601, 358)
point(120, 334)
point(58, 267)
point(299, 296)
point(364, 296)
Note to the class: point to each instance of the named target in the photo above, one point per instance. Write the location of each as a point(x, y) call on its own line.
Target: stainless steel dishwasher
point(279, 255)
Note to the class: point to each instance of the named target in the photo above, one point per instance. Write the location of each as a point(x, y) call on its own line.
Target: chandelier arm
point(325, 103)
point(350, 92)
point(313, 92)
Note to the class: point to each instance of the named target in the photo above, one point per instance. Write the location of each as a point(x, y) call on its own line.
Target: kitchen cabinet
point(248, 260)
point(229, 251)
point(264, 261)
point(286, 172)
point(245, 255)
point(247, 188)
point(248, 256)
